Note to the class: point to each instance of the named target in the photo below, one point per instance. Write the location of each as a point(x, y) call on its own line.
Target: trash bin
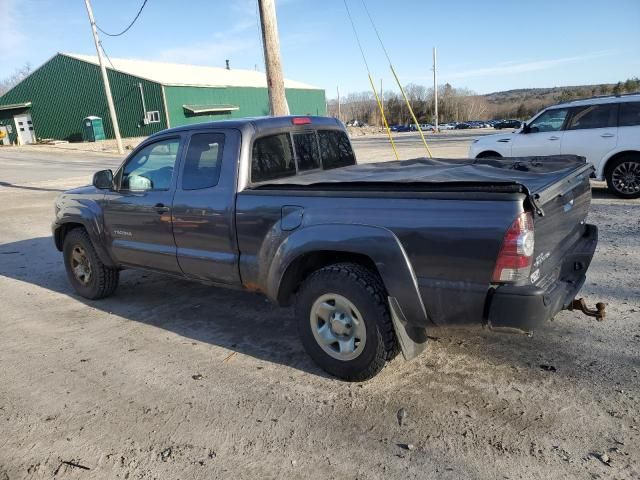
point(93, 129)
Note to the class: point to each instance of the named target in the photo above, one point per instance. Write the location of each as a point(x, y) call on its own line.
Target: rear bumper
point(528, 307)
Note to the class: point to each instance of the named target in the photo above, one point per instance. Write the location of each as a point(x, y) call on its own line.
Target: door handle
point(607, 135)
point(553, 137)
point(160, 208)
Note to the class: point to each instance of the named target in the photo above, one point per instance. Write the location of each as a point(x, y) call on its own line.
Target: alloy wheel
point(626, 177)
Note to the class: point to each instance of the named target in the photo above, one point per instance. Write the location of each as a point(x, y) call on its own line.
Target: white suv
point(605, 130)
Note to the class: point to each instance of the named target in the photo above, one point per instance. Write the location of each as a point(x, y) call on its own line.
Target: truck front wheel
point(344, 321)
point(87, 274)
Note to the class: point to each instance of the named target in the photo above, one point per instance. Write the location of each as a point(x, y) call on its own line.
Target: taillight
point(516, 254)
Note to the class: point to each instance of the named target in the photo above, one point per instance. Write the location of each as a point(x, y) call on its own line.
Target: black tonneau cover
point(530, 175)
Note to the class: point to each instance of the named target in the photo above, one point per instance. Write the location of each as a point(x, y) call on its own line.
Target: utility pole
point(271, 43)
point(435, 90)
point(339, 116)
point(105, 79)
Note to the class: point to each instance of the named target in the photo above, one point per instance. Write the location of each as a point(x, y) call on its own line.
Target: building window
point(153, 117)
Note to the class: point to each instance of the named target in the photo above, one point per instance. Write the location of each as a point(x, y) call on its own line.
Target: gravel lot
point(170, 379)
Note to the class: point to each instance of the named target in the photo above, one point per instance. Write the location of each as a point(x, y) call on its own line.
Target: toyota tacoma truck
point(371, 255)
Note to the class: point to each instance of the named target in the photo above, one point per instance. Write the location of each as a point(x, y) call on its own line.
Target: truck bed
point(531, 175)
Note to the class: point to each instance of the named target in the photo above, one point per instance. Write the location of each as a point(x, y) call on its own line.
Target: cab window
point(203, 161)
point(151, 168)
point(549, 121)
point(272, 157)
point(307, 154)
point(593, 116)
point(335, 149)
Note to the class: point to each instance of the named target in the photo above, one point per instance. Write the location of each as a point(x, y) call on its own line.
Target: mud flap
point(413, 340)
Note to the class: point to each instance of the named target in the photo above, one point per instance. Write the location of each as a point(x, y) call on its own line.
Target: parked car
point(462, 126)
point(508, 124)
point(279, 206)
point(604, 130)
point(403, 128)
point(447, 126)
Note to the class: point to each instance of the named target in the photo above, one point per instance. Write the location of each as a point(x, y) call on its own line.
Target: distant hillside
point(524, 102)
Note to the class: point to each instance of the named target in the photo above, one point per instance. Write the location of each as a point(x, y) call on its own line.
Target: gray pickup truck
point(370, 254)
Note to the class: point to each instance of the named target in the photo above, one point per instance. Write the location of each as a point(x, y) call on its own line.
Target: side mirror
point(525, 128)
point(103, 179)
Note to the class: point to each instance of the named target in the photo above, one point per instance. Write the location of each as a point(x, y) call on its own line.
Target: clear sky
point(483, 45)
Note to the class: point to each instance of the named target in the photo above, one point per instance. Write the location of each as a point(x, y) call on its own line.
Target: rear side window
point(335, 149)
point(593, 116)
point(203, 161)
point(272, 157)
point(629, 114)
point(307, 153)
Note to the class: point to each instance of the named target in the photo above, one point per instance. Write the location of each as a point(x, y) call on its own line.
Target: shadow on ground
point(245, 322)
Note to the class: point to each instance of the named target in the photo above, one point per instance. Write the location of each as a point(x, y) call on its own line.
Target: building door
point(24, 127)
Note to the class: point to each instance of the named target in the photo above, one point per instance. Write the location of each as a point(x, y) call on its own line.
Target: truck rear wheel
point(87, 274)
point(344, 321)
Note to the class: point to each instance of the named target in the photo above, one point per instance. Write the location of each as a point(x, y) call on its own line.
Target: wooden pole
point(105, 79)
point(271, 43)
point(339, 113)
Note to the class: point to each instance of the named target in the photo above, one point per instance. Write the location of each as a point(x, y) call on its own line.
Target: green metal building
point(55, 99)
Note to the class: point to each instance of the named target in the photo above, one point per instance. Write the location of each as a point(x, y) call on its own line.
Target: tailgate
point(565, 205)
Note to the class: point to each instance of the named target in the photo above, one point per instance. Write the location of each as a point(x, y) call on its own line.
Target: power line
point(355, 33)
point(376, 30)
point(130, 25)
point(106, 54)
point(373, 87)
point(413, 115)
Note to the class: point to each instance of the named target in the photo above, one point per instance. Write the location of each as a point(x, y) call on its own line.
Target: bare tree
point(16, 77)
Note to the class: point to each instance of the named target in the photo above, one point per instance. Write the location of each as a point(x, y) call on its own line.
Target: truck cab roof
point(258, 123)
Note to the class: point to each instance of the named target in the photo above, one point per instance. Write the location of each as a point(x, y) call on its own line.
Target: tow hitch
point(580, 304)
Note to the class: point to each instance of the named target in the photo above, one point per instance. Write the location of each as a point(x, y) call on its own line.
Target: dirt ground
point(169, 379)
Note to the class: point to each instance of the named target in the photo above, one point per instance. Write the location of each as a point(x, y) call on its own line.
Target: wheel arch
point(606, 164)
point(375, 248)
point(307, 263)
point(62, 229)
point(489, 154)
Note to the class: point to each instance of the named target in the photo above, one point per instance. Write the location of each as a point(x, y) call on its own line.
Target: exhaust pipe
point(580, 304)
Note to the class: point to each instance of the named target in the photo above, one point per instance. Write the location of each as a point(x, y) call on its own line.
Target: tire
point(359, 299)
point(87, 274)
point(623, 176)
